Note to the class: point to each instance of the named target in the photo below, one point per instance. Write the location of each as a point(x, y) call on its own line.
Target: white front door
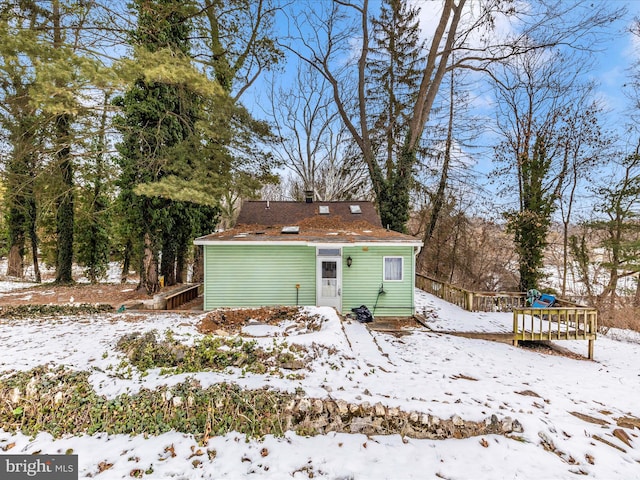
point(329, 283)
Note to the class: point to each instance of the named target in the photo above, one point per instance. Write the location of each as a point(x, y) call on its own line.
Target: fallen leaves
point(171, 450)
point(529, 393)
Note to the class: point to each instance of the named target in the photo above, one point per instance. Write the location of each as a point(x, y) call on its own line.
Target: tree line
point(126, 128)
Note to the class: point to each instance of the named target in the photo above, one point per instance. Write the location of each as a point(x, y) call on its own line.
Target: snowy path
point(365, 347)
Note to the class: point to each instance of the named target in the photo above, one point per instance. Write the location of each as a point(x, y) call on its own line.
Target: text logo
point(39, 467)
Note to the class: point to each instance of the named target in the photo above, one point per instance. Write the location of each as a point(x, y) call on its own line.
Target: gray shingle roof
point(290, 213)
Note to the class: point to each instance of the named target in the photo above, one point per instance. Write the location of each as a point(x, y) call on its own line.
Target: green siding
point(361, 283)
point(253, 276)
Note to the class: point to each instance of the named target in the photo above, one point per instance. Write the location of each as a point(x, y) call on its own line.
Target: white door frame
point(334, 301)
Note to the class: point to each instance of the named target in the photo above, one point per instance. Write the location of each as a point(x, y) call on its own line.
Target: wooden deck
point(532, 327)
point(565, 321)
point(551, 324)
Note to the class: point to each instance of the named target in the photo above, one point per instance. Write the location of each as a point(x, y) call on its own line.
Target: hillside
point(561, 415)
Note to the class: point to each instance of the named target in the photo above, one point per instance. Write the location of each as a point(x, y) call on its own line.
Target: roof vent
point(294, 229)
point(324, 209)
point(355, 209)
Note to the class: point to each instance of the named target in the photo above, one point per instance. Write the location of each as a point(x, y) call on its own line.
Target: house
point(333, 254)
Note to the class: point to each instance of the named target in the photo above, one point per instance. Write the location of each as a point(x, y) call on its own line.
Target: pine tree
point(48, 69)
point(619, 223)
point(92, 228)
point(23, 124)
point(157, 120)
point(395, 72)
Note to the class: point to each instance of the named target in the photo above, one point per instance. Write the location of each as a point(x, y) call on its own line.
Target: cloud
point(503, 24)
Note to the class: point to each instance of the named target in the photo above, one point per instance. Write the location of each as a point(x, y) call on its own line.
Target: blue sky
point(610, 68)
point(612, 65)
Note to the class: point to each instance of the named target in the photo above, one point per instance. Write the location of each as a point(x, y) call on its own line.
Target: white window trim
point(384, 268)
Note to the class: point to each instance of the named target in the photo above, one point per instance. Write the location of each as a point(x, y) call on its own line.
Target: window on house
point(355, 209)
point(324, 209)
point(332, 252)
point(393, 267)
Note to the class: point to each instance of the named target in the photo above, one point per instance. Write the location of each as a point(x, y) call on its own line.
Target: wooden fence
point(182, 295)
point(469, 300)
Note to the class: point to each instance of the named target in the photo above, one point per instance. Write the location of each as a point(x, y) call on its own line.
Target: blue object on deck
point(543, 301)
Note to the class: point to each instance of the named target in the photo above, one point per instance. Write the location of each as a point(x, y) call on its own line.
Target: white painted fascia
point(416, 243)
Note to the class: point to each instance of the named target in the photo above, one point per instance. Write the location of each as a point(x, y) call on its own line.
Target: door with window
point(329, 281)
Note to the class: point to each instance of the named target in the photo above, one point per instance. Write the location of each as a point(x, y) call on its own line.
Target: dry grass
point(618, 313)
point(627, 317)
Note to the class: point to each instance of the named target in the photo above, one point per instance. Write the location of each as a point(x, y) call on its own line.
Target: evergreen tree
point(23, 125)
point(619, 222)
point(395, 74)
point(157, 120)
point(92, 228)
point(46, 69)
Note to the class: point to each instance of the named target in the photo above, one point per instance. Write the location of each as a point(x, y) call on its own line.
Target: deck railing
point(470, 300)
point(452, 294)
point(565, 321)
point(572, 323)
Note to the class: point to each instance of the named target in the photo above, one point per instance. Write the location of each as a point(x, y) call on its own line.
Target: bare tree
point(336, 26)
point(541, 104)
point(585, 146)
point(619, 195)
point(312, 141)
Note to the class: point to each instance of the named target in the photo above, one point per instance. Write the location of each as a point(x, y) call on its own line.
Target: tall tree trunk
point(181, 261)
point(16, 219)
point(198, 264)
point(33, 236)
point(65, 213)
point(565, 256)
point(15, 265)
point(438, 198)
point(168, 262)
point(62, 141)
point(126, 261)
point(149, 276)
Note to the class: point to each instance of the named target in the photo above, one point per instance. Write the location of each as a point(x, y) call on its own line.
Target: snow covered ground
point(112, 275)
point(424, 371)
